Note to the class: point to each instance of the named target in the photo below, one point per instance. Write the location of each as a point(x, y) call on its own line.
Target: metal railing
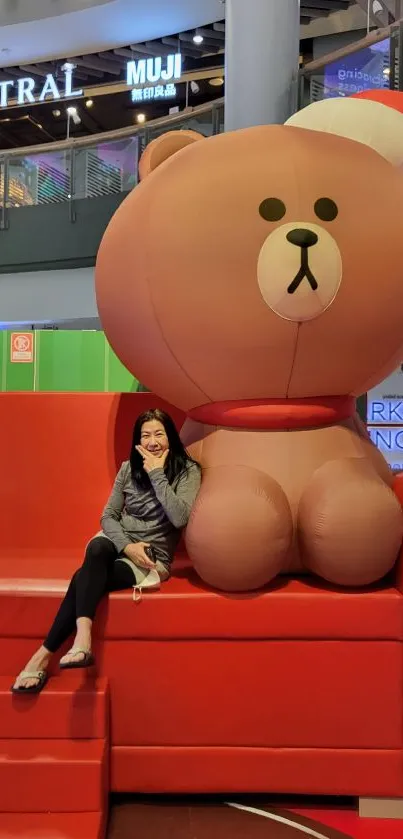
point(107, 164)
point(372, 62)
point(90, 167)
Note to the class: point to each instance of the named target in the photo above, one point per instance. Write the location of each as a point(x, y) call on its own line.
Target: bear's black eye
point(326, 209)
point(272, 209)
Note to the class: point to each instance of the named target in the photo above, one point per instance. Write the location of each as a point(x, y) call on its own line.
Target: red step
point(52, 826)
point(59, 776)
point(70, 706)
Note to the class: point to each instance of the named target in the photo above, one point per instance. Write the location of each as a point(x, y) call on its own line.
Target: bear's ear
point(366, 121)
point(164, 147)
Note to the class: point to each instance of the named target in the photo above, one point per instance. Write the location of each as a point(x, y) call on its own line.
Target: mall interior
point(201, 419)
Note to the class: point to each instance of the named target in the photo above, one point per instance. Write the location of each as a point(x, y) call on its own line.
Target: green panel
point(362, 407)
point(71, 361)
point(119, 380)
point(3, 358)
point(16, 376)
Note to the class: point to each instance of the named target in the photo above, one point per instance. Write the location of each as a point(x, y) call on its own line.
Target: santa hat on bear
point(374, 118)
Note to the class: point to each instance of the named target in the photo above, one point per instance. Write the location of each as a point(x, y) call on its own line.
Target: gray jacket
point(155, 515)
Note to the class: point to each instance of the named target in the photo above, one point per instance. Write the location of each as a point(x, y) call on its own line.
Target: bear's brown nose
point(302, 238)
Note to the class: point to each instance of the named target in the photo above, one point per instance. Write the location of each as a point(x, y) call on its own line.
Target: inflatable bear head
point(261, 263)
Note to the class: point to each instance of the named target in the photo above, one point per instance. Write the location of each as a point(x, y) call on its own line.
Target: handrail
point(116, 134)
point(370, 39)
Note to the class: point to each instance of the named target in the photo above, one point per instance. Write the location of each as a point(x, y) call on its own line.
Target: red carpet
point(154, 818)
point(348, 822)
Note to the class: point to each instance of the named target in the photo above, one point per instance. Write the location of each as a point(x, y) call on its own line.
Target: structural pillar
point(261, 61)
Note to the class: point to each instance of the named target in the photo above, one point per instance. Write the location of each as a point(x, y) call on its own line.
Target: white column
point(261, 61)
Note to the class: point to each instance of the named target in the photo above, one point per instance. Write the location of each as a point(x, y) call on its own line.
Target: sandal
point(41, 675)
point(87, 661)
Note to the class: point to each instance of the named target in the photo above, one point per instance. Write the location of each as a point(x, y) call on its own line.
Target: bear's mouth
point(303, 273)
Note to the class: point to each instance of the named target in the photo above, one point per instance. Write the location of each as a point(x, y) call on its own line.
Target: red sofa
point(295, 689)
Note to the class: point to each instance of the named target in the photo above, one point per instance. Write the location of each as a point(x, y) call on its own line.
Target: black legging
point(98, 574)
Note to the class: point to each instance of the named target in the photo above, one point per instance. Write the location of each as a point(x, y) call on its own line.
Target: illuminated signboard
point(150, 79)
point(24, 90)
point(385, 418)
point(366, 69)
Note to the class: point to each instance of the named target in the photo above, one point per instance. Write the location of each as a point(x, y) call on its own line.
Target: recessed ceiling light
point(89, 103)
point(141, 118)
point(217, 82)
point(198, 39)
point(56, 113)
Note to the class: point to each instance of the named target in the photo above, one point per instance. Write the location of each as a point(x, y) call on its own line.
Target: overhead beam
point(98, 74)
point(108, 56)
point(124, 53)
point(329, 5)
point(212, 46)
point(34, 70)
point(95, 63)
point(15, 71)
point(213, 34)
point(153, 49)
point(192, 52)
point(309, 11)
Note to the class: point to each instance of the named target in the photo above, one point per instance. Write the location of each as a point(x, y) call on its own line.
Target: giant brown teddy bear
point(255, 280)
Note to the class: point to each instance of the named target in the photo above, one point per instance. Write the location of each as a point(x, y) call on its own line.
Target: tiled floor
point(171, 818)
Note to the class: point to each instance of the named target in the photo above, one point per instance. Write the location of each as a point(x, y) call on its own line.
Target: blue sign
point(367, 69)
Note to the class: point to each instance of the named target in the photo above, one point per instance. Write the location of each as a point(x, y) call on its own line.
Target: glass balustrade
point(77, 169)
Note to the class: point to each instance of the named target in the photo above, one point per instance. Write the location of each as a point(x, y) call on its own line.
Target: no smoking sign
point(22, 347)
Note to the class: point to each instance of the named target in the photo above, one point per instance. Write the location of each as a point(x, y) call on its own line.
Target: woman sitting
point(149, 505)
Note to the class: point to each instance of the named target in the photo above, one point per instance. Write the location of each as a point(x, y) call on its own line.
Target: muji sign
point(159, 74)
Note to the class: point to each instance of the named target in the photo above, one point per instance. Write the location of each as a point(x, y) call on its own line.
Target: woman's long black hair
point(178, 459)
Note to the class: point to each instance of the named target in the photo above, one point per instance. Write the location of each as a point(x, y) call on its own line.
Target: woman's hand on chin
point(152, 461)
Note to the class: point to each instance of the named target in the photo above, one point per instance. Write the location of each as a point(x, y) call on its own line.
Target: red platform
point(297, 689)
point(54, 759)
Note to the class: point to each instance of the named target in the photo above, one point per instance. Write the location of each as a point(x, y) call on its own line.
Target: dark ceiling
point(46, 122)
point(110, 66)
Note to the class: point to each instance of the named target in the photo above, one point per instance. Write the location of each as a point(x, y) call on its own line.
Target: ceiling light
point(73, 113)
point(386, 71)
point(195, 88)
point(89, 103)
point(198, 39)
point(141, 118)
point(57, 113)
point(217, 82)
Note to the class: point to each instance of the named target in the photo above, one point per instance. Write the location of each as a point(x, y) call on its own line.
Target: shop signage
point(149, 78)
point(154, 78)
point(385, 417)
point(25, 90)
